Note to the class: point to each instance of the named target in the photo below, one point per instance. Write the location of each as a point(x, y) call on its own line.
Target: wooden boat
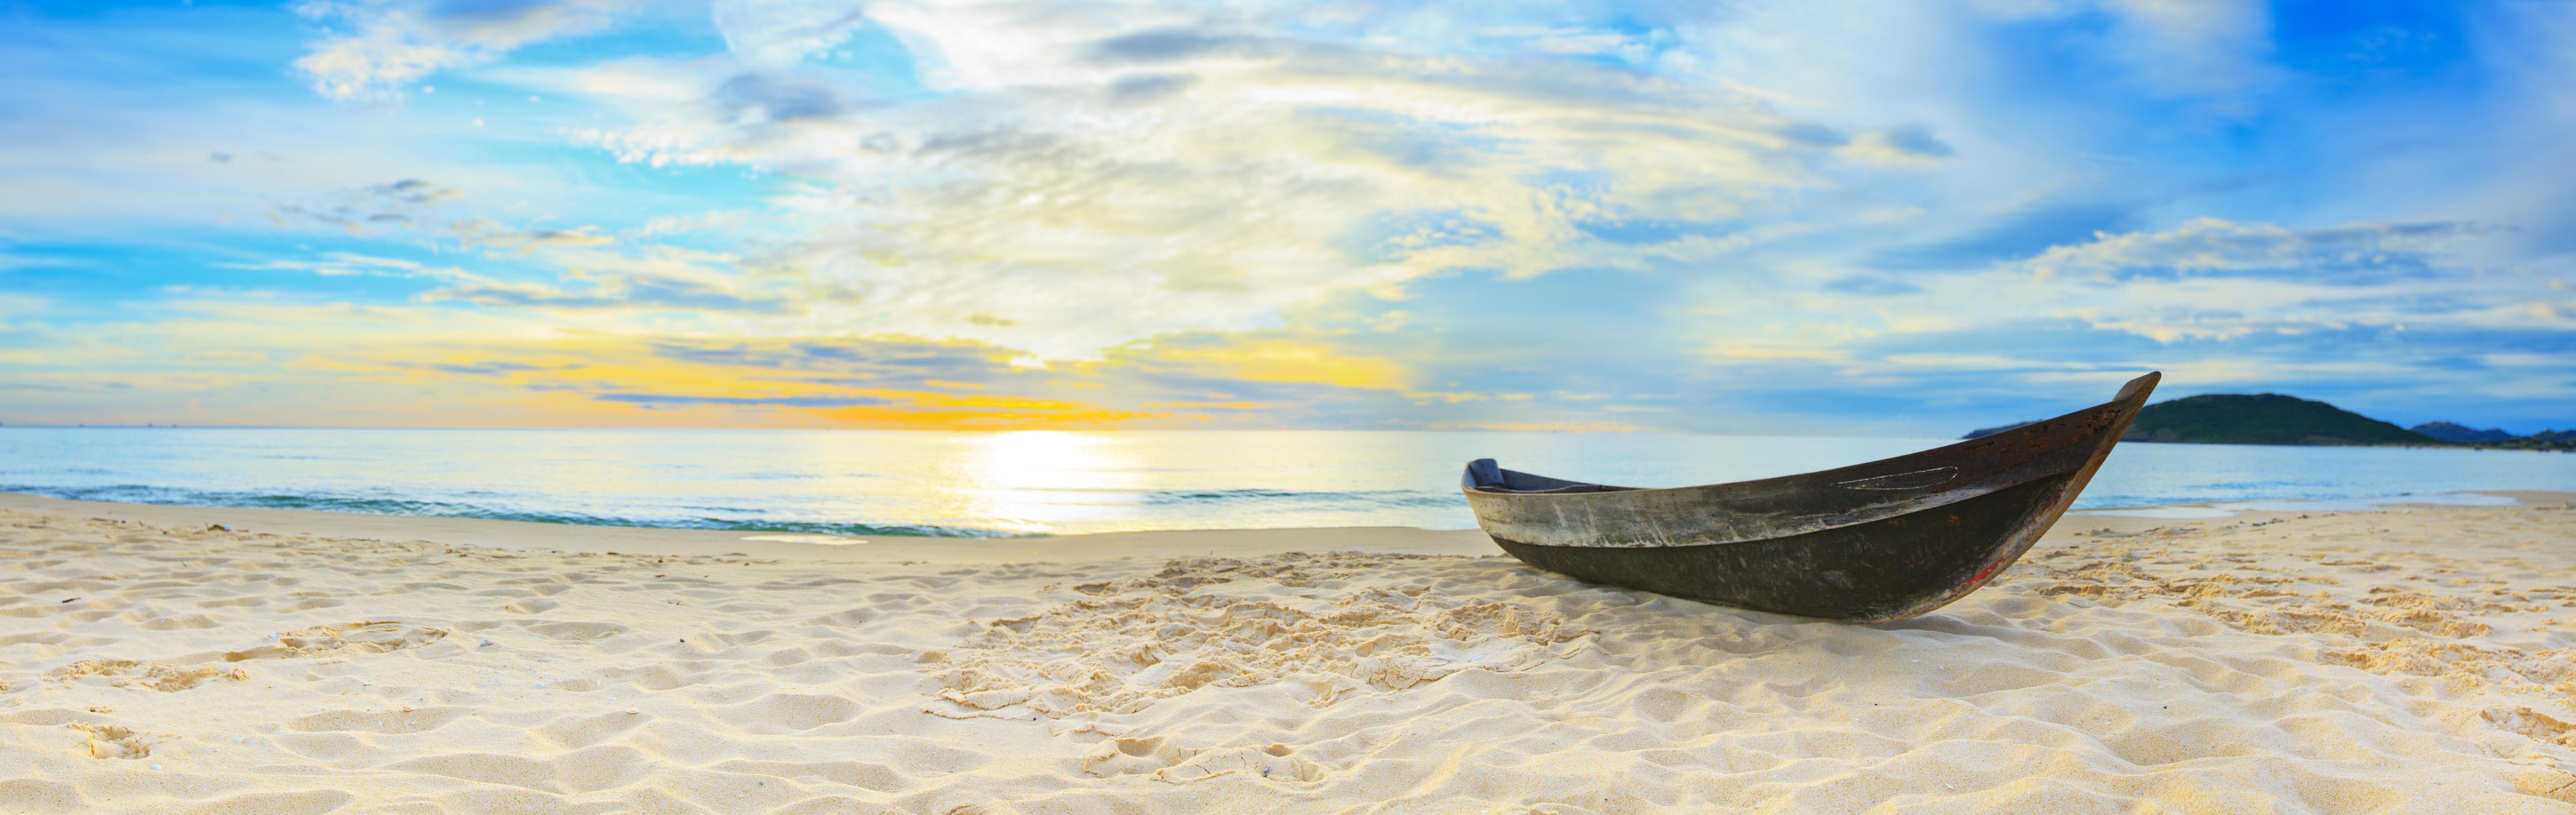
point(1873, 542)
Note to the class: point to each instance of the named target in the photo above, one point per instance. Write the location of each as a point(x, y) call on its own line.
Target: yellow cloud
point(228, 360)
point(1274, 359)
point(985, 413)
point(1545, 427)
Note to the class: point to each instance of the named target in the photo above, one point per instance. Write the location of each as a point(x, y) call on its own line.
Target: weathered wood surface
point(1882, 540)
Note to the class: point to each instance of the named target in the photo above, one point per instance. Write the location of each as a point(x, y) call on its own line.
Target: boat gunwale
point(2126, 392)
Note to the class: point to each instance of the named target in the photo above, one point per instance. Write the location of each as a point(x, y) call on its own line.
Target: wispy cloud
point(341, 264)
point(1740, 217)
point(378, 46)
point(364, 210)
point(2354, 255)
point(1088, 180)
point(658, 399)
point(481, 232)
point(487, 367)
point(614, 291)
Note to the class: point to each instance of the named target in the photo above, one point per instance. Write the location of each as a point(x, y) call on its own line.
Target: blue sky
point(1772, 217)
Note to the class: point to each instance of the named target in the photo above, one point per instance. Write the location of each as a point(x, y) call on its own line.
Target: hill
point(2271, 418)
point(2264, 418)
point(2560, 440)
point(2447, 431)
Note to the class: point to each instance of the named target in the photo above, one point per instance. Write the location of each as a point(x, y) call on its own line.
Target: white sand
point(2416, 659)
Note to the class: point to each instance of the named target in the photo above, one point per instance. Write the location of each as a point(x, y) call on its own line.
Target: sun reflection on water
point(866, 484)
point(1045, 480)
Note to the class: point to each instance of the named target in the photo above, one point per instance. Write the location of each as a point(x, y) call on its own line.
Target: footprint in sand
point(1131, 756)
point(174, 623)
point(158, 676)
point(2533, 724)
point(370, 637)
point(1164, 760)
point(112, 741)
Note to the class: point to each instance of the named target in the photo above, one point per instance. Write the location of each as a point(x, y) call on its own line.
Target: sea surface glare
point(1040, 482)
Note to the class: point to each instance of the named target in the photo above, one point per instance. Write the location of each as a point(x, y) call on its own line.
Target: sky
point(1797, 217)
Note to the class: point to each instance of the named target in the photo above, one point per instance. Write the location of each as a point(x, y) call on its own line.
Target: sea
point(857, 483)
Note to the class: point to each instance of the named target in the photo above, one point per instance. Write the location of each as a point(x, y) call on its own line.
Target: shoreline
point(650, 540)
point(2233, 507)
point(531, 536)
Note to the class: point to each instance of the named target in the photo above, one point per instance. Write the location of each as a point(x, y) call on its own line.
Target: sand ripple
point(1167, 635)
point(2348, 663)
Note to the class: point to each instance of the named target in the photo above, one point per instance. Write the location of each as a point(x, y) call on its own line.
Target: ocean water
point(1044, 482)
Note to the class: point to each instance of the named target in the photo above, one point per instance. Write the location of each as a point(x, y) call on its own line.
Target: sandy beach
point(180, 659)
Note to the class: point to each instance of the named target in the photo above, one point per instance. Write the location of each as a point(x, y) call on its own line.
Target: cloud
point(1737, 217)
point(385, 44)
point(1267, 357)
point(777, 33)
point(341, 264)
point(2012, 235)
point(1897, 147)
point(362, 210)
point(2207, 300)
point(484, 233)
point(2348, 255)
point(9, 261)
point(487, 367)
point(778, 99)
point(1871, 286)
point(579, 269)
point(1081, 181)
point(1184, 43)
point(2207, 48)
point(667, 400)
point(721, 221)
point(614, 291)
point(411, 192)
point(874, 362)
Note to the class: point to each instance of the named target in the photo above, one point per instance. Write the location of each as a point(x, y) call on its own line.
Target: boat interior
point(1486, 476)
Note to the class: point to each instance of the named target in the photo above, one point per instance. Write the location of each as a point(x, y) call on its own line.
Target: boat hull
point(1889, 569)
point(1872, 542)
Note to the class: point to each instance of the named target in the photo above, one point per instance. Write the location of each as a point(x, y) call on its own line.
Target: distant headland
point(2272, 418)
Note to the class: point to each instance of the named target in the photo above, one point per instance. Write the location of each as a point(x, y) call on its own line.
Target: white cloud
point(386, 44)
point(2242, 294)
point(1902, 147)
point(363, 210)
point(1095, 177)
point(337, 264)
point(481, 232)
point(777, 33)
point(2211, 245)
